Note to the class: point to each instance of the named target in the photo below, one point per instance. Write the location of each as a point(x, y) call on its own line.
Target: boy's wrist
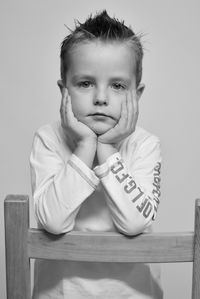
point(104, 151)
point(86, 150)
point(87, 142)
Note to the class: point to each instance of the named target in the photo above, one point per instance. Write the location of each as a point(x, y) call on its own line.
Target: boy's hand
point(71, 124)
point(127, 122)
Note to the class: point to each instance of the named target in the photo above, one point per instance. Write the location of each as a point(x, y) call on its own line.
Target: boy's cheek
point(75, 111)
point(78, 97)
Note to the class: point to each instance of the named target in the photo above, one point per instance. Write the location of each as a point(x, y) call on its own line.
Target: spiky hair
point(104, 28)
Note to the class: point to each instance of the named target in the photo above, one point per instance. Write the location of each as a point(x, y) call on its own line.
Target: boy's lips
point(101, 114)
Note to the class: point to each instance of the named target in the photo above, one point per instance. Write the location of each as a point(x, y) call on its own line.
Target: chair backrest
point(24, 243)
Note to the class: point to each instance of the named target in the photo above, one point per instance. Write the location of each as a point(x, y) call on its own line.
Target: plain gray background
point(31, 33)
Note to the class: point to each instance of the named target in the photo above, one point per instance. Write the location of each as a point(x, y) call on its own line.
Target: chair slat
point(112, 247)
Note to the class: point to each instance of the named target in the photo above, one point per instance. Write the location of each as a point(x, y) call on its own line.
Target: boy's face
point(98, 78)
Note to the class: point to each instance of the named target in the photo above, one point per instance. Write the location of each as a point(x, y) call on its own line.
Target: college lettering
point(145, 207)
point(156, 184)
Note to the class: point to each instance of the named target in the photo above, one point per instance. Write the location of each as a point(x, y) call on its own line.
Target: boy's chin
point(100, 131)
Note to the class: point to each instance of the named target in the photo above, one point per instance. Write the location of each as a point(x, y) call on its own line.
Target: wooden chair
point(24, 243)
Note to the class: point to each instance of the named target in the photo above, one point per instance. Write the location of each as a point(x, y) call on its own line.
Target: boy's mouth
point(100, 115)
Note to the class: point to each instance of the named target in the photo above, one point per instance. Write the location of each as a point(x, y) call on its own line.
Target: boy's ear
point(139, 90)
point(60, 85)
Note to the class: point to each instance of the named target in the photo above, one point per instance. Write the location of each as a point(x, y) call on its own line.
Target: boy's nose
point(101, 98)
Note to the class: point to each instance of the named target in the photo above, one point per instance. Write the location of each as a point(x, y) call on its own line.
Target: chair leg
point(196, 263)
point(16, 213)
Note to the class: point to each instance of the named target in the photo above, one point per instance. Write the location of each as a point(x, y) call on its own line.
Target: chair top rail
point(111, 247)
point(104, 246)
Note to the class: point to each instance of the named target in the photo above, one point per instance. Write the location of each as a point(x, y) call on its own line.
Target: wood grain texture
point(17, 261)
point(23, 243)
point(196, 263)
point(112, 247)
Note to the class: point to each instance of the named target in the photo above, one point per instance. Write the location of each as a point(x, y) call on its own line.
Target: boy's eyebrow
point(78, 77)
point(118, 78)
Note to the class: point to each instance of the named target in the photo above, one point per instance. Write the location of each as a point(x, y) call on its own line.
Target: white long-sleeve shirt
point(121, 195)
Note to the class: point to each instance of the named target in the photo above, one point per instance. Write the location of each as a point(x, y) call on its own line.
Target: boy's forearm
point(104, 151)
point(86, 150)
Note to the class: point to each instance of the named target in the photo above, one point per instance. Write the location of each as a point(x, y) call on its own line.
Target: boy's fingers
point(123, 118)
point(68, 105)
point(63, 106)
point(64, 92)
point(135, 108)
point(130, 108)
point(68, 111)
point(135, 103)
point(64, 96)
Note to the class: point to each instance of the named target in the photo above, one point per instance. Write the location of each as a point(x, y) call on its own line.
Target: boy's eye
point(85, 84)
point(118, 86)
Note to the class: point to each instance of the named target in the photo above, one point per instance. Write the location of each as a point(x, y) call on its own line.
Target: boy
point(95, 170)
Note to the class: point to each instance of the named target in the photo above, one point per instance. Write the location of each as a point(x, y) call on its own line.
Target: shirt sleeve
point(133, 188)
point(59, 186)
